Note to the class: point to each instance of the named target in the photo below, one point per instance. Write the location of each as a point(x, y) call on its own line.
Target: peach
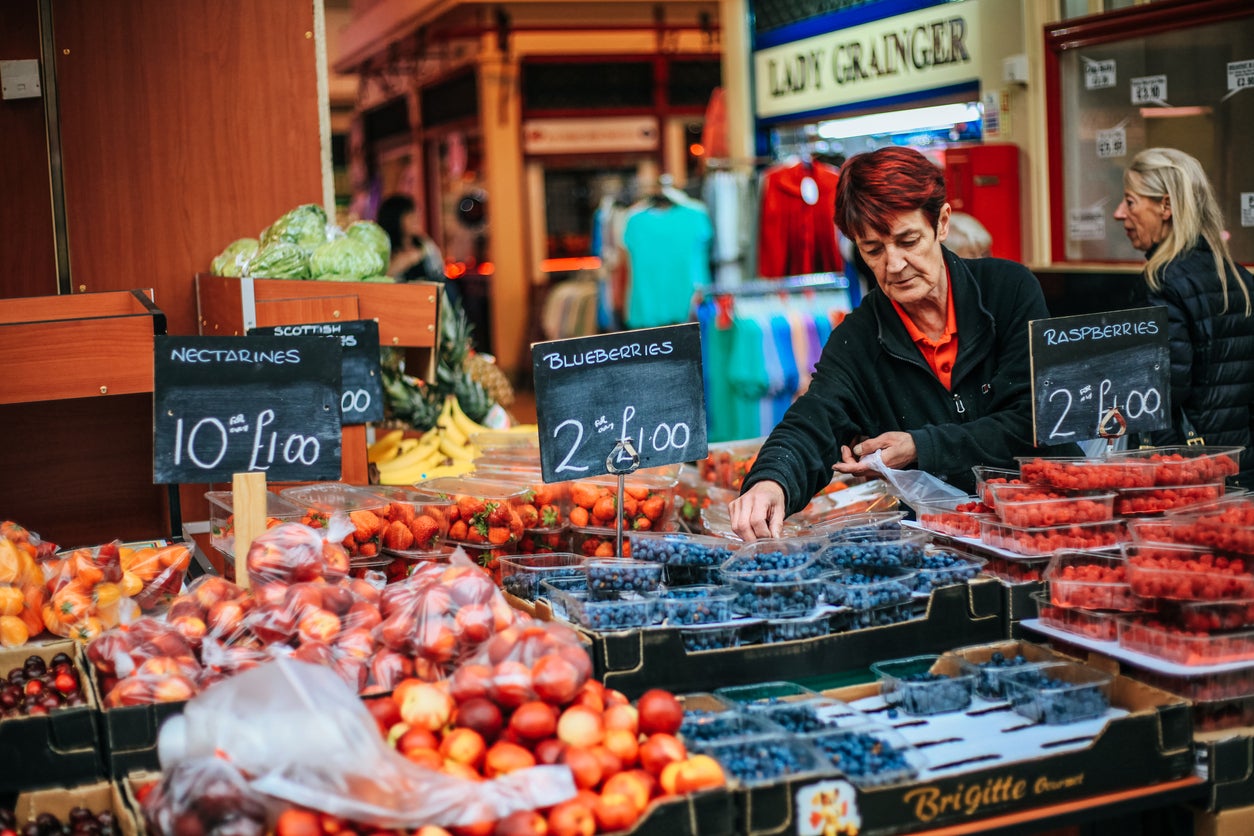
point(622, 717)
point(615, 812)
point(659, 750)
point(584, 766)
point(555, 680)
point(623, 745)
point(426, 758)
point(465, 746)
point(699, 772)
point(505, 757)
point(580, 725)
point(611, 764)
point(522, 823)
point(636, 785)
point(470, 681)
point(427, 706)
point(572, 818)
point(461, 770)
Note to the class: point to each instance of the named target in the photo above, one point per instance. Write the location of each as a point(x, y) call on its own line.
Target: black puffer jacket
point(872, 379)
point(1212, 355)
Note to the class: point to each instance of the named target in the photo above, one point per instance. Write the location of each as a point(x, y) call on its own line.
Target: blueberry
point(758, 759)
point(1053, 701)
point(677, 550)
point(696, 605)
point(776, 600)
point(793, 629)
point(988, 677)
point(930, 693)
point(772, 567)
point(865, 758)
point(943, 569)
point(609, 577)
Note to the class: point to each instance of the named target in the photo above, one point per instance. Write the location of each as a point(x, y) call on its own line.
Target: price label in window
point(1087, 224)
point(1098, 74)
point(1240, 75)
point(1149, 89)
point(1112, 143)
point(1247, 208)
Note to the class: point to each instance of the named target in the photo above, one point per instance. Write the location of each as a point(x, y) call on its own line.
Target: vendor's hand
point(897, 451)
point(759, 512)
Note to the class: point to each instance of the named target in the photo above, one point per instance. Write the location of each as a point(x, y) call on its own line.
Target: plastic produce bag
point(146, 662)
point(205, 796)
point(913, 486)
point(292, 553)
point(307, 739)
point(532, 660)
point(442, 613)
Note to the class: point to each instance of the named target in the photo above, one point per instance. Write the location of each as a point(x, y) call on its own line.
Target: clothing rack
point(760, 341)
point(787, 284)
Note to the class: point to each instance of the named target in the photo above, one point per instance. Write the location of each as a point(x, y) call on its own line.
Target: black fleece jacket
point(871, 379)
point(1212, 355)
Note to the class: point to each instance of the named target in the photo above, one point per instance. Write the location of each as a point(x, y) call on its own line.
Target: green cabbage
point(280, 260)
point(305, 225)
point(234, 259)
point(372, 234)
point(346, 258)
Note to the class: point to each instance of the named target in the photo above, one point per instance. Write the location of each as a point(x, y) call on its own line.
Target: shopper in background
point(415, 257)
point(1169, 212)
point(967, 237)
point(931, 370)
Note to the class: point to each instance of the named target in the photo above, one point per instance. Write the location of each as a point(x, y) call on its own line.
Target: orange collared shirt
point(941, 353)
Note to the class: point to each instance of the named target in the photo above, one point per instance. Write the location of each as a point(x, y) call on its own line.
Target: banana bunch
point(444, 450)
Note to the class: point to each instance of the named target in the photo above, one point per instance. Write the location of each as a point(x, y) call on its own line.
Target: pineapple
point(489, 375)
point(418, 403)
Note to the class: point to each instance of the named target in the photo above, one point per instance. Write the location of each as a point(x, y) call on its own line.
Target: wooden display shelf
point(76, 405)
point(81, 346)
point(406, 313)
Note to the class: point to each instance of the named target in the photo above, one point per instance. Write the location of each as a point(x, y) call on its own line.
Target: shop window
point(387, 120)
point(587, 86)
point(1186, 83)
point(450, 101)
point(691, 82)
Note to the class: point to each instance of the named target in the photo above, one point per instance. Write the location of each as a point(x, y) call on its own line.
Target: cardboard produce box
point(97, 797)
point(633, 661)
point(1151, 743)
point(57, 748)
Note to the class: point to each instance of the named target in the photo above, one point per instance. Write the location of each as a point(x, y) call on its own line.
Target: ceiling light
point(901, 121)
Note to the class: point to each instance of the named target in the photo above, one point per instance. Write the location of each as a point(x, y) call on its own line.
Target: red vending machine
point(983, 181)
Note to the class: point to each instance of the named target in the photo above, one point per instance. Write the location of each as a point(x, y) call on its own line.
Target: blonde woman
point(1169, 212)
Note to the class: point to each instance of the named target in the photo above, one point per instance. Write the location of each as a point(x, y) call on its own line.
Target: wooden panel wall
point(29, 267)
point(184, 126)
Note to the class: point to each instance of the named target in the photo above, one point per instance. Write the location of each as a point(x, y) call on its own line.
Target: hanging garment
point(797, 227)
point(668, 247)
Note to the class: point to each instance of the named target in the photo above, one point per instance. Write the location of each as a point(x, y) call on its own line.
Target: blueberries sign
point(227, 405)
point(361, 400)
point(1099, 375)
point(641, 386)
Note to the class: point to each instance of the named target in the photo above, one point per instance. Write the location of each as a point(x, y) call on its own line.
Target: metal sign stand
point(624, 445)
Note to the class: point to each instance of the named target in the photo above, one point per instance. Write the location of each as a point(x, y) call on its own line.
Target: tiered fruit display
point(80, 821)
point(535, 704)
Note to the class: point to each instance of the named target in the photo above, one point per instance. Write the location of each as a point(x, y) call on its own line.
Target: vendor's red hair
point(877, 186)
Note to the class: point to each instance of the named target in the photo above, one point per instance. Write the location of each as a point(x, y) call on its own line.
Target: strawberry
point(458, 530)
point(498, 513)
point(498, 535)
point(426, 531)
point(367, 525)
point(549, 516)
point(653, 507)
point(529, 515)
point(397, 536)
point(470, 506)
point(402, 511)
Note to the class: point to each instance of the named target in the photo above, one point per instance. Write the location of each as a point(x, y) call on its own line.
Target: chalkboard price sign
point(644, 386)
point(227, 405)
point(1100, 375)
point(361, 400)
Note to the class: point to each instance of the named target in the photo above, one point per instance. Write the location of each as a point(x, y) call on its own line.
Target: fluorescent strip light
point(900, 121)
point(1171, 112)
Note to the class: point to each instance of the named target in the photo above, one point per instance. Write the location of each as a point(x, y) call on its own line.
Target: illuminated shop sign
point(922, 50)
